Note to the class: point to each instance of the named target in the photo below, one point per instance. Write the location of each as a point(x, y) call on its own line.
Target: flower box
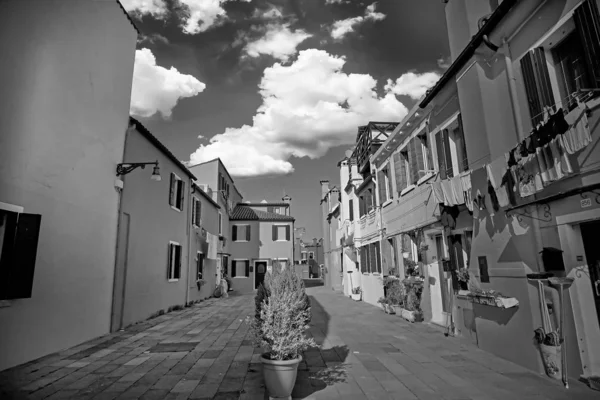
point(410, 316)
point(492, 301)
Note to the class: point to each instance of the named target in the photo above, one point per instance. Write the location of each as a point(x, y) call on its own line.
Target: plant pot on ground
point(463, 278)
point(356, 293)
point(278, 327)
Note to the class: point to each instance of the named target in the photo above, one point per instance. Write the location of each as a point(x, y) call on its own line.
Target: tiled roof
point(244, 213)
point(128, 17)
point(274, 204)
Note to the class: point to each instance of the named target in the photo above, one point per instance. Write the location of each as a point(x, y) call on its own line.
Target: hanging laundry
point(479, 189)
point(526, 179)
point(449, 198)
point(548, 157)
point(578, 136)
point(509, 182)
point(465, 178)
point(438, 194)
point(493, 199)
point(559, 124)
point(495, 171)
point(532, 166)
point(457, 189)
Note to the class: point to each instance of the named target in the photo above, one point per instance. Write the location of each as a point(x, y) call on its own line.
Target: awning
point(351, 254)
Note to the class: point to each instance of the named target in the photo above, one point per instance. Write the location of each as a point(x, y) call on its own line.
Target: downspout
point(518, 121)
point(189, 234)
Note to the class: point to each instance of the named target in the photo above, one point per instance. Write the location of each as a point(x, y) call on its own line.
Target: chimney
point(288, 200)
point(324, 188)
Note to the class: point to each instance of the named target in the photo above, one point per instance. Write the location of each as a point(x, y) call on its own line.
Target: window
point(199, 265)
point(174, 271)
point(240, 233)
point(468, 240)
point(240, 268)
point(220, 224)
point(440, 248)
point(19, 233)
point(280, 262)
point(576, 60)
point(281, 233)
point(383, 182)
point(451, 149)
point(393, 253)
point(311, 255)
point(177, 192)
point(225, 263)
point(364, 259)
point(375, 257)
point(351, 210)
point(426, 151)
point(196, 211)
point(303, 255)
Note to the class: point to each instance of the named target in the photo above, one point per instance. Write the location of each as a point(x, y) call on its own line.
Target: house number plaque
point(585, 203)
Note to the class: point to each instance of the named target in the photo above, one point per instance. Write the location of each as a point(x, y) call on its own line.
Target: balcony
point(368, 226)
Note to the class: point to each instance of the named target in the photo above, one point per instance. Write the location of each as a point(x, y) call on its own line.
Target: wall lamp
point(125, 168)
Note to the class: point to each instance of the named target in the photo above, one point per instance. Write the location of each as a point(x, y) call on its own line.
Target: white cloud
point(308, 107)
point(412, 85)
point(343, 27)
point(272, 12)
point(277, 41)
point(197, 15)
point(155, 8)
point(336, 1)
point(156, 89)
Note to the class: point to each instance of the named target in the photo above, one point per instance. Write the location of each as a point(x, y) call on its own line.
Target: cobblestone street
point(203, 352)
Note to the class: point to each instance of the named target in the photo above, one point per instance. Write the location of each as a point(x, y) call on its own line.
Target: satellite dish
point(348, 153)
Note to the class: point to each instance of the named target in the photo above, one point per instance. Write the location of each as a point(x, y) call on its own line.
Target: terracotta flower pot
point(280, 376)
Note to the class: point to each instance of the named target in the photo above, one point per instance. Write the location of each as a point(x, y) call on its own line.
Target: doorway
point(589, 233)
point(260, 269)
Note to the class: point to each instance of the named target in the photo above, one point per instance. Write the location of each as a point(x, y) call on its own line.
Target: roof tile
point(245, 213)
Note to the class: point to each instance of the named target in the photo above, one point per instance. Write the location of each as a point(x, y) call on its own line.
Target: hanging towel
point(526, 180)
point(465, 178)
point(509, 183)
point(438, 194)
point(557, 159)
point(457, 189)
point(479, 189)
point(449, 198)
point(550, 165)
point(565, 163)
point(532, 166)
point(495, 171)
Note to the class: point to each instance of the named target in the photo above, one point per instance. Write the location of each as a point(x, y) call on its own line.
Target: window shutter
point(381, 186)
point(194, 200)
point(247, 268)
point(537, 83)
point(413, 160)
point(425, 142)
point(248, 232)
point(181, 194)
point(172, 190)
point(177, 262)
point(400, 170)
point(441, 161)
point(377, 246)
point(169, 260)
point(23, 249)
point(198, 211)
point(233, 268)
point(274, 232)
point(287, 233)
point(363, 259)
point(419, 156)
point(587, 20)
point(351, 209)
point(464, 163)
point(234, 233)
point(447, 153)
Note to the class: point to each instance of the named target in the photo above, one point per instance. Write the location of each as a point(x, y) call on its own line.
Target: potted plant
point(279, 326)
point(200, 282)
point(463, 278)
point(356, 292)
point(396, 294)
point(386, 305)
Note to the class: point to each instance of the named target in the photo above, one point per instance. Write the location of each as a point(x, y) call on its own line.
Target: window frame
point(220, 223)
point(311, 255)
point(234, 268)
point(196, 216)
point(285, 226)
point(199, 265)
point(237, 235)
point(176, 194)
point(171, 271)
point(450, 126)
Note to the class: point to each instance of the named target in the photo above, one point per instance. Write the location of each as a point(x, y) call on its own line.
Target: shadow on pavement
point(321, 366)
point(313, 282)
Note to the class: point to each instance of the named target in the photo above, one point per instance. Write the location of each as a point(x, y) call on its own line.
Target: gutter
point(497, 16)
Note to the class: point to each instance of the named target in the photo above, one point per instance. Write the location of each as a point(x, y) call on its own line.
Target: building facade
point(68, 73)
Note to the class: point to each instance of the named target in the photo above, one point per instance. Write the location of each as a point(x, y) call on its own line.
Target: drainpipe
point(518, 121)
point(189, 234)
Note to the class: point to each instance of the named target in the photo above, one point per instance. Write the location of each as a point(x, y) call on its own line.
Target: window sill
point(425, 178)
point(240, 277)
point(173, 280)
point(240, 241)
point(175, 208)
point(281, 240)
point(407, 190)
point(387, 203)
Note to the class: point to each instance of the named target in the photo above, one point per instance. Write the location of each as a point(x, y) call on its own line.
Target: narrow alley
point(204, 352)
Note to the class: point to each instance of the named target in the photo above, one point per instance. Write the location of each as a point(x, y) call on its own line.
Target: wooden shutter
point(21, 248)
point(177, 262)
point(587, 20)
point(233, 268)
point(537, 83)
point(415, 153)
point(172, 190)
point(361, 206)
point(378, 256)
point(351, 209)
point(170, 261)
point(447, 153)
point(234, 230)
point(425, 143)
point(460, 133)
point(372, 259)
point(400, 170)
point(363, 259)
point(248, 232)
point(198, 211)
point(287, 232)
point(181, 194)
point(441, 160)
point(247, 268)
point(274, 232)
point(381, 186)
point(194, 200)
point(419, 156)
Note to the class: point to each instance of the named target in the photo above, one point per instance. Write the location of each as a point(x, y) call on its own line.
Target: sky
point(278, 88)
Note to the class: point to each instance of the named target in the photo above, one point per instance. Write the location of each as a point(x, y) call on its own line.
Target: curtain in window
point(537, 83)
point(400, 170)
point(587, 20)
